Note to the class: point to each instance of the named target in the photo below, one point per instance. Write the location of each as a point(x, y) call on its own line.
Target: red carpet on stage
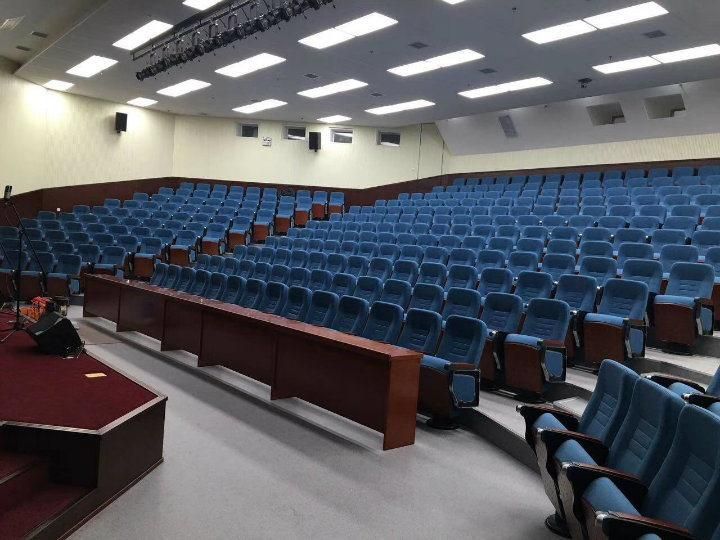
point(43, 389)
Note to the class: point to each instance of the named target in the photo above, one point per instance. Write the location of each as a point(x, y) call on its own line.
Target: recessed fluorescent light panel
point(142, 35)
point(626, 65)
point(627, 15)
point(345, 32)
point(185, 87)
point(437, 62)
point(400, 107)
point(142, 102)
point(92, 66)
point(260, 106)
point(688, 54)
point(514, 86)
point(60, 86)
point(334, 119)
point(561, 31)
point(254, 63)
point(453, 2)
point(334, 88)
point(610, 19)
point(201, 4)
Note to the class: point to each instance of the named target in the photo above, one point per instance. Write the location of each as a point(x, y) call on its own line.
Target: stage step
point(27, 498)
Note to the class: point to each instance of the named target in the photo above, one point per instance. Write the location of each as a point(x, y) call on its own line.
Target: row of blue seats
point(664, 186)
point(348, 306)
point(643, 461)
point(486, 272)
point(577, 176)
point(55, 274)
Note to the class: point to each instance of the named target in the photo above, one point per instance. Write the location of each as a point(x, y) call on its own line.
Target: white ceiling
point(492, 27)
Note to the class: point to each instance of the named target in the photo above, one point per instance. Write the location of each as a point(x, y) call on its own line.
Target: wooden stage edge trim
point(108, 461)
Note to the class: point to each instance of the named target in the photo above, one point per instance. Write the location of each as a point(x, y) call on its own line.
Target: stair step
point(44, 504)
point(20, 476)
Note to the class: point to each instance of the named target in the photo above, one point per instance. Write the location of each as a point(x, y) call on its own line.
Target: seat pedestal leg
point(557, 524)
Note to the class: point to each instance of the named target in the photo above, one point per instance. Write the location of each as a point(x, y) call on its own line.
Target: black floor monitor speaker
point(315, 141)
point(56, 335)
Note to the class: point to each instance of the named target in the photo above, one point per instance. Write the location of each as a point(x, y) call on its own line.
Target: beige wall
point(671, 148)
point(52, 139)
point(210, 148)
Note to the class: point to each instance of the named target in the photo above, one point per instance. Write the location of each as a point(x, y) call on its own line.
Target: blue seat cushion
point(573, 452)
point(715, 408)
point(434, 362)
point(463, 386)
point(605, 496)
point(685, 301)
point(682, 389)
point(611, 320)
point(549, 421)
point(649, 536)
point(528, 341)
point(56, 275)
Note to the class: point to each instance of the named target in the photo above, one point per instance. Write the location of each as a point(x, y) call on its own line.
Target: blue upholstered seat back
point(606, 409)
point(547, 319)
point(624, 298)
point(647, 432)
point(685, 490)
point(421, 331)
point(502, 312)
point(692, 280)
point(463, 340)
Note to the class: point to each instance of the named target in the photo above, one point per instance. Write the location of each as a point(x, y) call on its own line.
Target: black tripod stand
point(19, 322)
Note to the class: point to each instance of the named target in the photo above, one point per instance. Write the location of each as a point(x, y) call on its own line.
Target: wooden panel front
point(102, 298)
point(142, 311)
point(182, 329)
point(237, 343)
point(341, 381)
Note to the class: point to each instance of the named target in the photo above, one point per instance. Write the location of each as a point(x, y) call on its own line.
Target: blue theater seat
point(428, 297)
point(274, 298)
point(536, 356)
point(617, 506)
point(502, 313)
point(463, 302)
point(234, 289)
point(533, 284)
point(216, 286)
point(252, 294)
point(652, 417)
point(618, 330)
point(646, 271)
point(323, 307)
point(297, 303)
point(368, 288)
point(684, 311)
point(351, 316)
point(384, 322)
point(449, 377)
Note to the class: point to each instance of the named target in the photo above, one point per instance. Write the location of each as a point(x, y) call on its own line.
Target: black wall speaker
point(120, 122)
point(315, 140)
point(56, 335)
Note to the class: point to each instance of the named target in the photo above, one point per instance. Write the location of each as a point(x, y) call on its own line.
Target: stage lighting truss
point(222, 26)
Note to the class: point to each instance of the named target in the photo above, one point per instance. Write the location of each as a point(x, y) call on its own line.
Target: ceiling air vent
point(669, 106)
point(508, 126)
point(312, 75)
point(654, 34)
point(488, 71)
point(418, 45)
point(376, 94)
point(11, 24)
point(23, 48)
point(606, 114)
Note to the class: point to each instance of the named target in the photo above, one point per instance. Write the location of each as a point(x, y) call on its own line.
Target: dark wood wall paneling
point(95, 194)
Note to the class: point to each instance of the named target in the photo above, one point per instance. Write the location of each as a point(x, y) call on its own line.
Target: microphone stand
point(18, 325)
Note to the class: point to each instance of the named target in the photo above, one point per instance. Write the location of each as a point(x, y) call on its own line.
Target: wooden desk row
point(371, 383)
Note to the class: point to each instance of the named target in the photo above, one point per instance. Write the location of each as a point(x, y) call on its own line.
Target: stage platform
point(74, 434)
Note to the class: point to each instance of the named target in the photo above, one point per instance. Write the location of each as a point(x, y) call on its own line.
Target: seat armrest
point(532, 412)
point(459, 366)
point(580, 475)
point(701, 400)
point(551, 440)
point(554, 344)
point(666, 380)
point(619, 525)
